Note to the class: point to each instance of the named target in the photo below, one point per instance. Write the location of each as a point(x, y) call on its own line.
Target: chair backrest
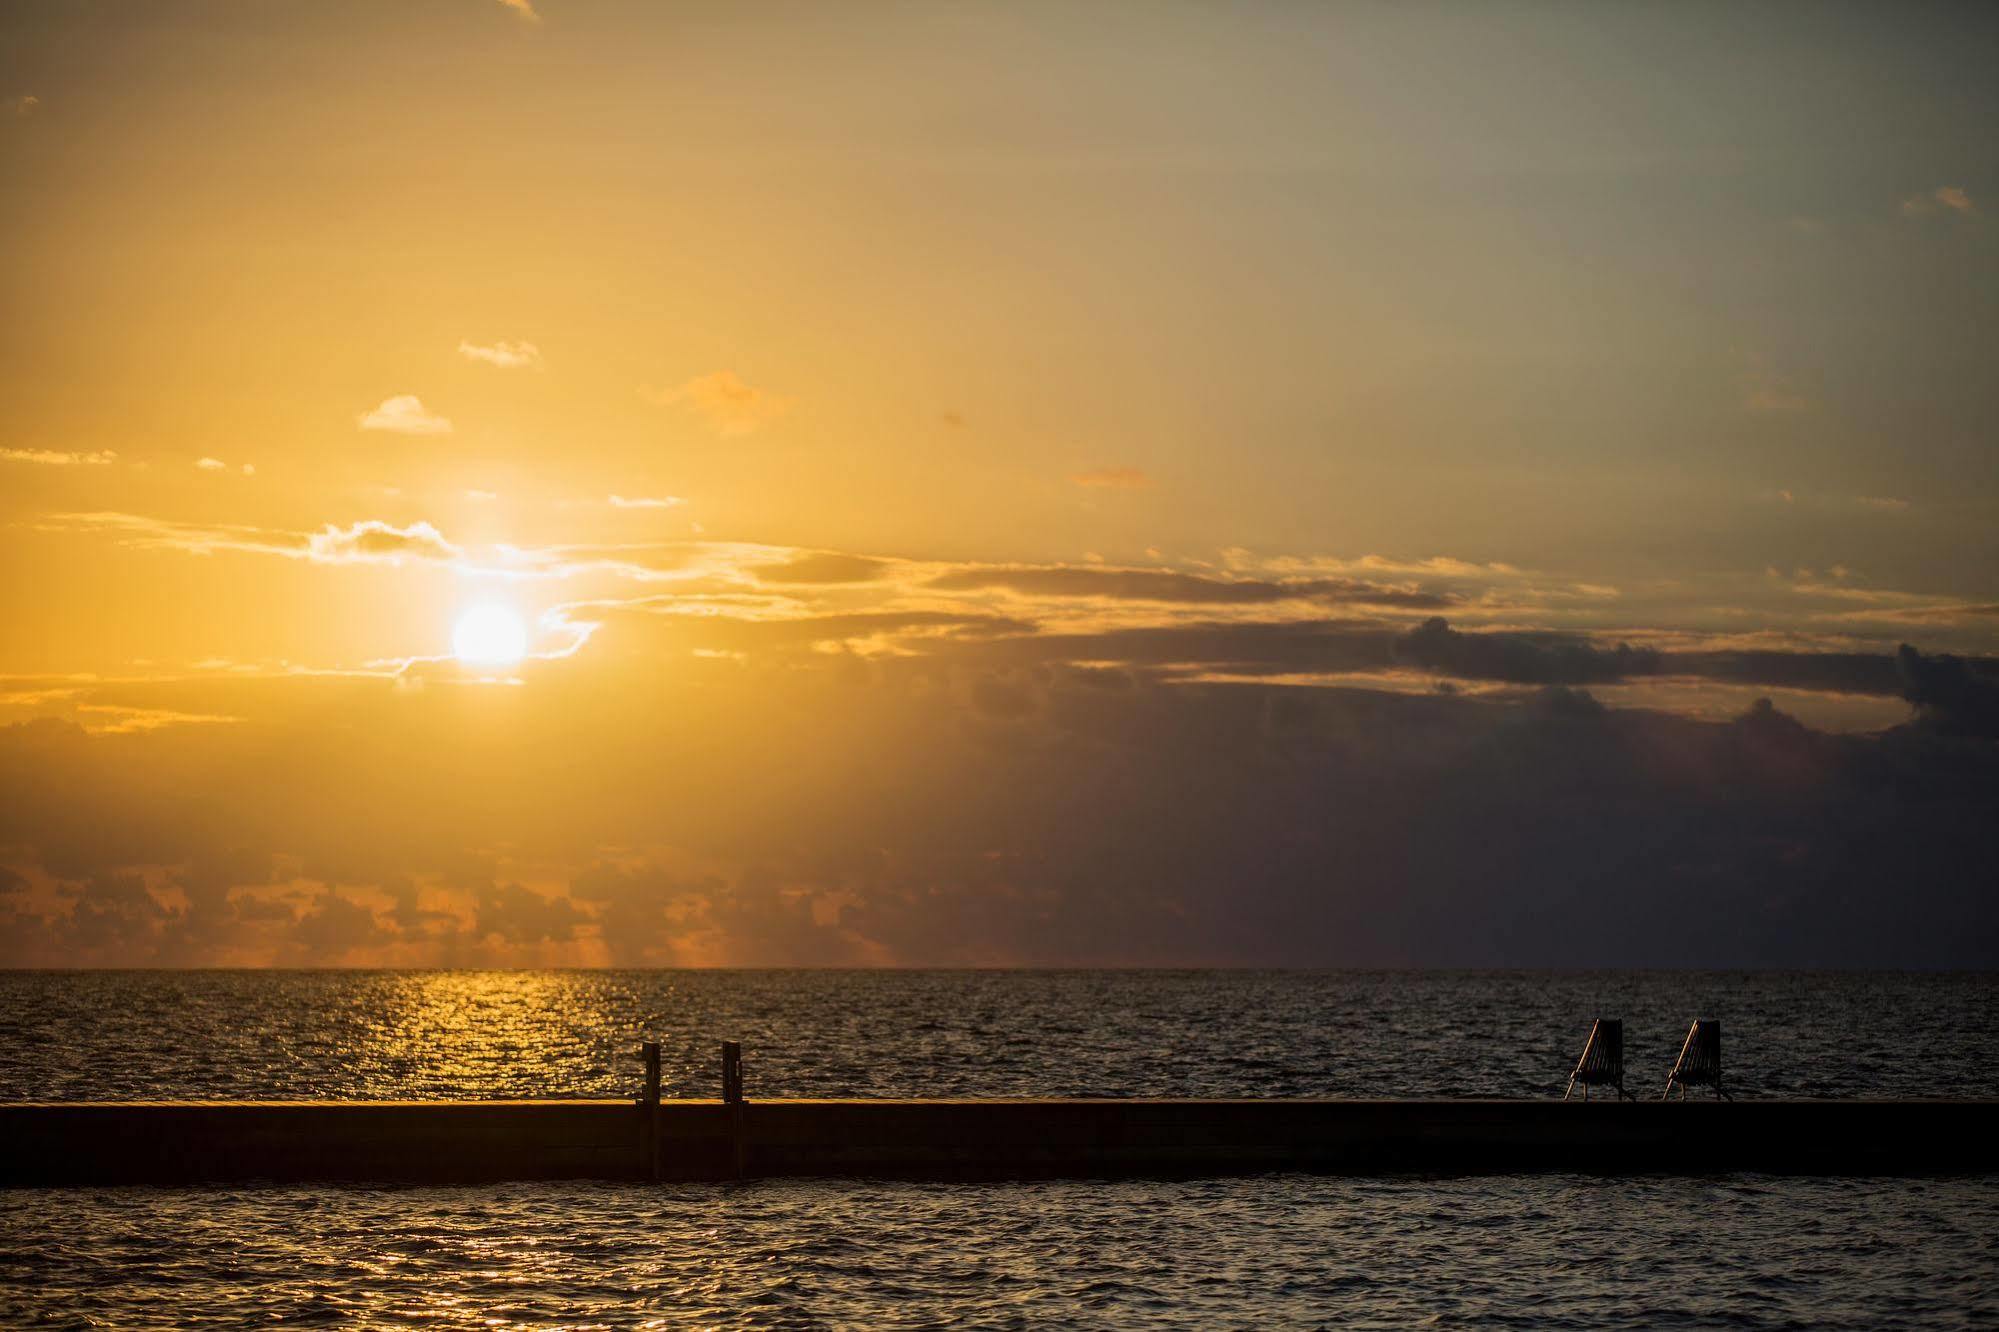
point(1603, 1054)
point(1700, 1056)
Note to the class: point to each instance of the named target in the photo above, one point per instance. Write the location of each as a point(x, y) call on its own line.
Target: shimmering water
point(1277, 1251)
point(252, 1035)
point(1273, 1251)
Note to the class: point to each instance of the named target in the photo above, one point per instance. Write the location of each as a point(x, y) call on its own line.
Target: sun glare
point(489, 636)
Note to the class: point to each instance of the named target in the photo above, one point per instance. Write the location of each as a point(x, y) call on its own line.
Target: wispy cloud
point(1112, 478)
point(1937, 614)
point(1954, 198)
point(368, 541)
point(405, 414)
point(1885, 503)
point(506, 355)
point(644, 501)
point(730, 406)
point(525, 8)
point(1174, 585)
point(25, 105)
point(482, 496)
point(373, 541)
point(56, 458)
point(823, 567)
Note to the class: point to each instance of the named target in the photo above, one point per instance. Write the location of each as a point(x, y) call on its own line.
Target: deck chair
point(1699, 1064)
point(1602, 1064)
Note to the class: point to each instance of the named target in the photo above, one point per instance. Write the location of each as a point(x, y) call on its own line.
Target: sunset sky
point(979, 483)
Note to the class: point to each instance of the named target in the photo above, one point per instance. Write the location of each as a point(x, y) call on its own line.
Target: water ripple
point(1275, 1251)
point(372, 1035)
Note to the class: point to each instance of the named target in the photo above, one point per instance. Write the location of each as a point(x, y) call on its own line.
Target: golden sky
point(822, 412)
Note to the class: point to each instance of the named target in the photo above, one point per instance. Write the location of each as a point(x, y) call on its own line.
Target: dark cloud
point(1166, 585)
point(518, 915)
point(1244, 648)
point(1553, 658)
point(1519, 658)
point(1949, 696)
point(1829, 672)
point(985, 805)
point(111, 912)
point(334, 926)
point(825, 567)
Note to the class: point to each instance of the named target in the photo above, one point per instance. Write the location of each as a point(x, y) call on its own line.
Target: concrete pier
point(484, 1141)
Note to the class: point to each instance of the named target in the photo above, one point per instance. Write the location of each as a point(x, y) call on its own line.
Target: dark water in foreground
point(1277, 1251)
point(1273, 1251)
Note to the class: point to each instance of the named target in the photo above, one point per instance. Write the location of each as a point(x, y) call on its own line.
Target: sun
point(489, 636)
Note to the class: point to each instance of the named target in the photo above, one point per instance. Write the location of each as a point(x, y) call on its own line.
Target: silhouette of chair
point(1602, 1064)
point(1699, 1064)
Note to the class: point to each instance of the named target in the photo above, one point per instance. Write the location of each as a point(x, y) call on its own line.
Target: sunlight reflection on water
point(386, 1035)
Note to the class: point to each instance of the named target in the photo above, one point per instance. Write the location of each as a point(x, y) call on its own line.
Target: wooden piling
point(732, 1072)
point(651, 1051)
point(732, 1100)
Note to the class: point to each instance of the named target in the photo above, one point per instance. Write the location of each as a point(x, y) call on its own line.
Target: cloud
point(518, 915)
point(211, 464)
point(823, 567)
point(1949, 696)
point(1167, 585)
point(54, 458)
point(506, 355)
point(973, 812)
point(1521, 658)
point(372, 541)
point(1112, 478)
point(25, 105)
point(525, 8)
point(1312, 628)
point(482, 496)
point(404, 414)
point(644, 501)
point(1884, 503)
point(335, 927)
point(730, 406)
point(1939, 613)
point(368, 541)
point(1951, 197)
point(644, 627)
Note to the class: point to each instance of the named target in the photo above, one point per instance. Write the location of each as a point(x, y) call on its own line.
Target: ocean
point(1269, 1251)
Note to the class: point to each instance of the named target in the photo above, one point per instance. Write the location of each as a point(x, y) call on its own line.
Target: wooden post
point(732, 1102)
point(651, 1049)
point(732, 1072)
